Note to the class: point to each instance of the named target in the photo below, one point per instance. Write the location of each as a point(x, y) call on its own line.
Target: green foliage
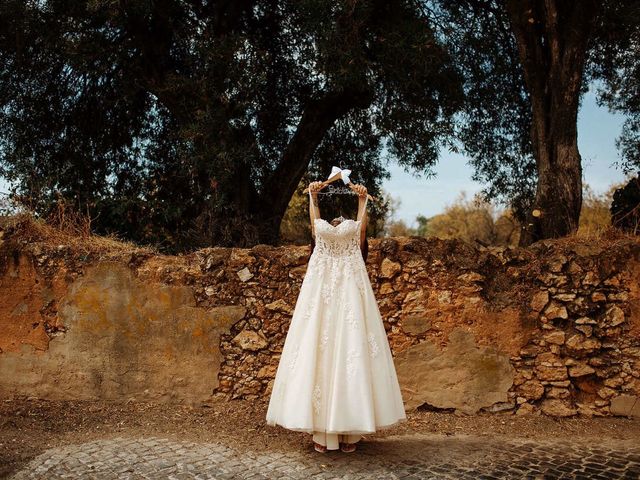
point(595, 217)
point(615, 64)
point(472, 220)
point(494, 124)
point(190, 123)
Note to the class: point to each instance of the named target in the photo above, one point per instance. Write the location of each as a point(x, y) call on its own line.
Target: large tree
point(526, 65)
point(188, 123)
point(493, 127)
point(552, 38)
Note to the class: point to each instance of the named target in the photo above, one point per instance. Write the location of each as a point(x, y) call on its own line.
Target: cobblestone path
point(402, 457)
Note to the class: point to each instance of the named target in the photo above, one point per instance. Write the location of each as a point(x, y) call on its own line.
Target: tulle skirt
point(336, 374)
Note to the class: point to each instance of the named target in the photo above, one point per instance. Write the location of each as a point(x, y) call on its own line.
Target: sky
point(597, 132)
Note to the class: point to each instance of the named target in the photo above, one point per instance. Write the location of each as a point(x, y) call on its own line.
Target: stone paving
point(402, 457)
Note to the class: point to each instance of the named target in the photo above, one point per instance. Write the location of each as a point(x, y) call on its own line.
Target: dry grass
point(607, 236)
point(73, 229)
point(70, 230)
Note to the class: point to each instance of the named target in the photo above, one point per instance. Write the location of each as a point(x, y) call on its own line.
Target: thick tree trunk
point(318, 118)
point(552, 38)
point(556, 210)
point(252, 215)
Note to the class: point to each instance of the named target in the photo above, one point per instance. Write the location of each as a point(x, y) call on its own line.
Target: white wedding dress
point(336, 379)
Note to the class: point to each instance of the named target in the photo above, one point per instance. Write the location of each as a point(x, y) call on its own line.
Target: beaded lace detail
point(338, 241)
point(351, 315)
point(293, 358)
point(316, 399)
point(373, 345)
point(337, 251)
point(351, 365)
point(324, 335)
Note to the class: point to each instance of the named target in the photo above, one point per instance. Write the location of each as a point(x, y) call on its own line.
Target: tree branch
point(318, 117)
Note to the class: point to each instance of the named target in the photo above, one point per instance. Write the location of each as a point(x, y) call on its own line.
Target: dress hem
point(340, 432)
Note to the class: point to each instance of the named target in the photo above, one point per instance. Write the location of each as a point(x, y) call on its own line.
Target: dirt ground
point(30, 426)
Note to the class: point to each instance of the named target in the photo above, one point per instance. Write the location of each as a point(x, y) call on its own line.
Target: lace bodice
point(336, 255)
point(343, 240)
point(336, 242)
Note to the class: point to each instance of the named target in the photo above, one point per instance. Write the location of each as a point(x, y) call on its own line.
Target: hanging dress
point(336, 378)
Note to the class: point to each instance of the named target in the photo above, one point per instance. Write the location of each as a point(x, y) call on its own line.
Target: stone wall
point(553, 329)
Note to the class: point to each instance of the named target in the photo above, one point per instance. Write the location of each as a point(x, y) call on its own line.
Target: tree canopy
point(494, 122)
point(189, 123)
point(186, 123)
point(526, 66)
point(615, 65)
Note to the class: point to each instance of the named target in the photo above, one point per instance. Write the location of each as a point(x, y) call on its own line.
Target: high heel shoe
point(347, 447)
point(319, 448)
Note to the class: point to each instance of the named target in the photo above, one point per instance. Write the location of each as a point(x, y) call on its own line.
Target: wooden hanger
point(337, 176)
